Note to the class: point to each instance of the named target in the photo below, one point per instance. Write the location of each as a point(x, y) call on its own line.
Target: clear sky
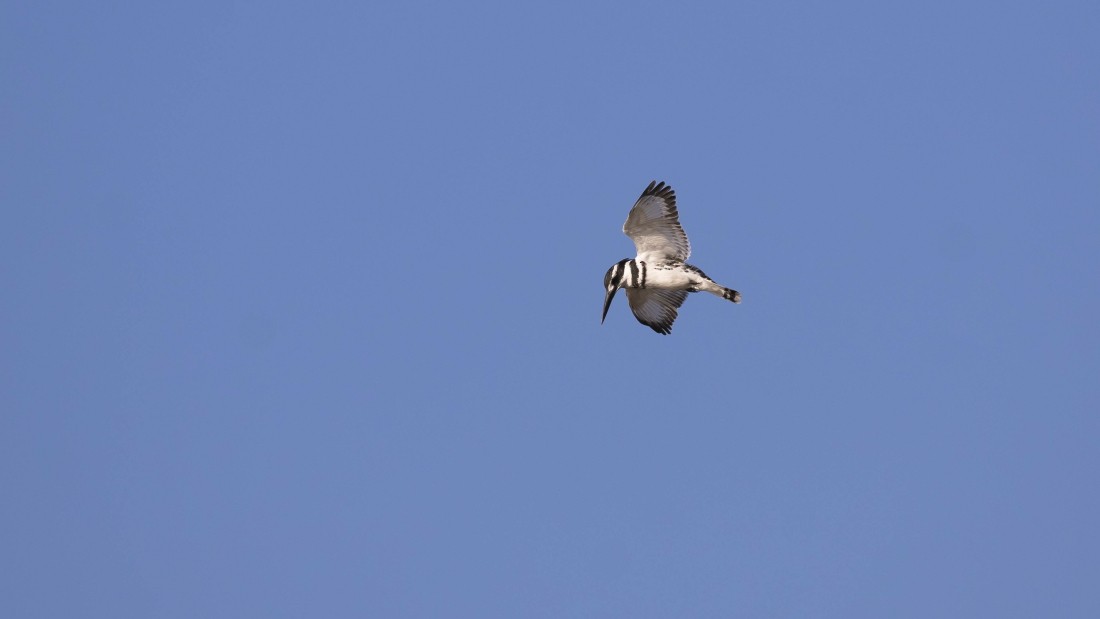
point(300, 310)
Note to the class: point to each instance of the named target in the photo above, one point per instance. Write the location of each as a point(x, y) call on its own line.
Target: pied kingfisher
point(657, 280)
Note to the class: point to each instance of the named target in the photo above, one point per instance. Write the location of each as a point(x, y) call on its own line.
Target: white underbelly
point(670, 278)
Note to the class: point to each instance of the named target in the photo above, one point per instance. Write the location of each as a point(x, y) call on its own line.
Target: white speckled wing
point(654, 226)
point(655, 309)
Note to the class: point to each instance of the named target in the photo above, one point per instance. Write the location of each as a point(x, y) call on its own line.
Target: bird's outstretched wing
point(654, 226)
point(655, 309)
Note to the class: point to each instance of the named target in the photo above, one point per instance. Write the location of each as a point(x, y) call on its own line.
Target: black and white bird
point(657, 280)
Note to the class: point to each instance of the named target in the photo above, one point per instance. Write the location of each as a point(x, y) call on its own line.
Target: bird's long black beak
point(607, 302)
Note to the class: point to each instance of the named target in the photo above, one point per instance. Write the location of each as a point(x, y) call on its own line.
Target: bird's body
point(658, 279)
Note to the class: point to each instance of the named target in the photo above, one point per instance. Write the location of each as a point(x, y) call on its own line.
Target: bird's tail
point(717, 289)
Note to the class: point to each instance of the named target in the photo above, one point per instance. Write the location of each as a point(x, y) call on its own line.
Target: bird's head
point(612, 281)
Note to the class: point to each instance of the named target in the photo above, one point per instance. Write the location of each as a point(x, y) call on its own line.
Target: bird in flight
point(657, 280)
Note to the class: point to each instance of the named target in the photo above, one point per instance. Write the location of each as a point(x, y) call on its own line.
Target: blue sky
point(301, 310)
